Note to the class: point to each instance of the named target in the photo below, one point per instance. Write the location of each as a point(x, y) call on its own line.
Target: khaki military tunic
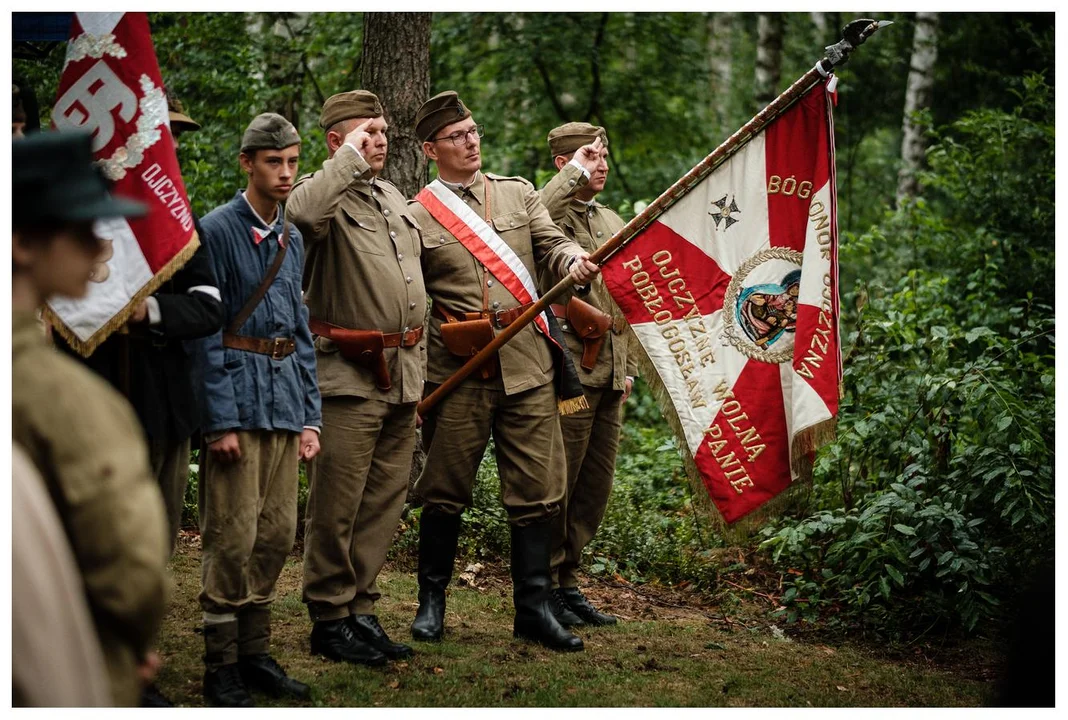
point(518, 406)
point(591, 436)
point(454, 277)
point(591, 226)
point(362, 272)
point(90, 449)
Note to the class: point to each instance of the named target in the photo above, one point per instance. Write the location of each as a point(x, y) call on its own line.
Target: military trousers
point(170, 465)
point(590, 441)
point(526, 435)
point(357, 485)
point(248, 522)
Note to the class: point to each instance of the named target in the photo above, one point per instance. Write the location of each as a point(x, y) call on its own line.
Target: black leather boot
point(531, 585)
point(438, 534)
point(263, 673)
point(582, 607)
point(368, 629)
point(562, 612)
point(335, 640)
point(223, 687)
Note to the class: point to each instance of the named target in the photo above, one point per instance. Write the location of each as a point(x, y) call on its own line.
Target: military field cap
point(347, 105)
point(54, 180)
point(569, 137)
point(176, 111)
point(443, 109)
point(269, 131)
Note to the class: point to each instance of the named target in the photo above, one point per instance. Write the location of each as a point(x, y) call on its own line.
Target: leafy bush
point(937, 498)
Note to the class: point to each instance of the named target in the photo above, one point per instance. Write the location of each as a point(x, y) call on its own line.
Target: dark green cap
point(443, 109)
point(269, 131)
point(54, 180)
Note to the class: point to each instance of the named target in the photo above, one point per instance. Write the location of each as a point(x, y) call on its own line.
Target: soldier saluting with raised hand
point(484, 238)
point(597, 333)
point(364, 289)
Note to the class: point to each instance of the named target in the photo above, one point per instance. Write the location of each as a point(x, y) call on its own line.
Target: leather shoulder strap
point(257, 297)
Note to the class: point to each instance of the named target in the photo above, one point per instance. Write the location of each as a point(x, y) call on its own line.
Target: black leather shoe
point(263, 673)
point(531, 585)
point(438, 534)
point(579, 605)
point(335, 640)
point(562, 612)
point(152, 697)
point(368, 629)
point(223, 687)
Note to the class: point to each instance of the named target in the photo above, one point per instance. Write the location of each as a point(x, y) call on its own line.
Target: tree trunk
point(769, 58)
point(721, 29)
point(395, 66)
point(917, 97)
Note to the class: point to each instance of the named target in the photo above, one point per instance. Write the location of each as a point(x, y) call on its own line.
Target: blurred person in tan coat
point(82, 436)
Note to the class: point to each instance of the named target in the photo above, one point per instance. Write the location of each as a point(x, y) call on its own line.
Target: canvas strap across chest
point(482, 241)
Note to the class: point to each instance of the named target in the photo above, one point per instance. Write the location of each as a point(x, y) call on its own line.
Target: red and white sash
point(484, 243)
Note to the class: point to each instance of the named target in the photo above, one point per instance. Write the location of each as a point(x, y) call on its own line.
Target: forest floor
point(671, 649)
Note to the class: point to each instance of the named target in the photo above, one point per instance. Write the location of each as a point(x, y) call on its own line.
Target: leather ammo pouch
point(590, 324)
point(361, 347)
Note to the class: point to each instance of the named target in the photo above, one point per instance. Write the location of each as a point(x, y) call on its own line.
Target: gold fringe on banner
point(85, 348)
point(573, 405)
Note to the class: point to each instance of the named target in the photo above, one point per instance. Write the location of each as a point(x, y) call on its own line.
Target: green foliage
point(937, 498)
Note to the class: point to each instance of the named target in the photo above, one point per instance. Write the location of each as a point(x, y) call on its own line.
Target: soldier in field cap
point(597, 333)
point(364, 289)
point(261, 416)
point(470, 221)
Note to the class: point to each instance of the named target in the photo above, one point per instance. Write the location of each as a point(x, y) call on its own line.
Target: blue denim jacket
point(245, 390)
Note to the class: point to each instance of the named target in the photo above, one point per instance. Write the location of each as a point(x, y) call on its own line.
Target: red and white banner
point(733, 292)
point(111, 87)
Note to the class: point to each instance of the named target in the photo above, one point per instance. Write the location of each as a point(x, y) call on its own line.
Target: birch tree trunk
point(769, 58)
point(395, 66)
point(917, 97)
point(721, 27)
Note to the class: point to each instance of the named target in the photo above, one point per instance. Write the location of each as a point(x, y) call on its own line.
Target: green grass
point(656, 657)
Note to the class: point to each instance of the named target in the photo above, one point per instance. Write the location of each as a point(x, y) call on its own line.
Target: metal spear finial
point(854, 34)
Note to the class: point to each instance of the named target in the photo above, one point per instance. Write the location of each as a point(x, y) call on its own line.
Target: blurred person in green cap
point(364, 289)
point(260, 417)
point(81, 435)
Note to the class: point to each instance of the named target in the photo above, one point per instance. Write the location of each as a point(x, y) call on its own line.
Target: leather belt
point(407, 338)
point(277, 348)
point(499, 318)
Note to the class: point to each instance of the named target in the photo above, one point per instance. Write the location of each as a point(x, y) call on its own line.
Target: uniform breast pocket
point(514, 229)
point(443, 253)
point(362, 230)
point(415, 232)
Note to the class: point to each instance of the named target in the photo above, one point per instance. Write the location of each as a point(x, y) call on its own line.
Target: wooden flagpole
point(855, 33)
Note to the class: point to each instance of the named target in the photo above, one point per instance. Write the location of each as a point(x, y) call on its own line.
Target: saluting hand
point(589, 156)
point(360, 138)
point(309, 444)
point(582, 270)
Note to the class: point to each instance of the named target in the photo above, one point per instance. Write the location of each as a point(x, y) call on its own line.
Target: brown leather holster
point(464, 338)
point(366, 347)
point(590, 324)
